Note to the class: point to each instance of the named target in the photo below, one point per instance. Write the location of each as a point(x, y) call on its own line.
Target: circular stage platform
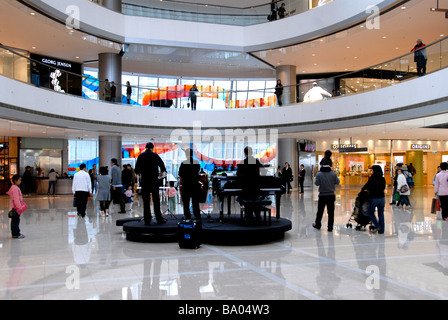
point(229, 232)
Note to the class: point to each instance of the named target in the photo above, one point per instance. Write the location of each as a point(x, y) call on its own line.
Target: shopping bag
point(397, 196)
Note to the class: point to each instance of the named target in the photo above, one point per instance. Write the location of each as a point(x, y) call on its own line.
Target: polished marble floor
point(64, 257)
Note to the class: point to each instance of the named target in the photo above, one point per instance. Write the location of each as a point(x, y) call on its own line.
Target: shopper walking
point(287, 177)
point(82, 189)
point(103, 192)
point(107, 90)
point(326, 180)
point(128, 92)
point(17, 204)
point(117, 185)
point(375, 186)
point(52, 180)
point(302, 174)
point(403, 189)
point(27, 182)
point(397, 167)
point(441, 189)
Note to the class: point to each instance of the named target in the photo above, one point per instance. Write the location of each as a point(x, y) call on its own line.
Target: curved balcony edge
point(138, 30)
point(424, 96)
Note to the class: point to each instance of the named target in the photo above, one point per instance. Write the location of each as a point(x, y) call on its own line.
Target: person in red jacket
point(17, 204)
point(420, 57)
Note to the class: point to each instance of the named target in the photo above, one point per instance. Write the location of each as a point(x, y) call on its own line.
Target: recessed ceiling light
point(33, 47)
point(32, 13)
point(403, 7)
point(384, 37)
point(77, 57)
point(442, 35)
point(347, 47)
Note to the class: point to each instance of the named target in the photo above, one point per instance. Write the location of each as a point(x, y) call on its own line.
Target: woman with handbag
point(17, 206)
point(403, 188)
point(441, 188)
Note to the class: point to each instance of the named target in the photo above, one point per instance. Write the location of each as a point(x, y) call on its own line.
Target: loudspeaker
point(189, 234)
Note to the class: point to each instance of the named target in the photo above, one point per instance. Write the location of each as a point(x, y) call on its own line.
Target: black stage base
point(230, 232)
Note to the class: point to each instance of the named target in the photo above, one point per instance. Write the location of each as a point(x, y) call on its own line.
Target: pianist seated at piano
point(248, 175)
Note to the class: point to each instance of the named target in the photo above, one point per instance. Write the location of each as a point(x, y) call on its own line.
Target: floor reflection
point(408, 261)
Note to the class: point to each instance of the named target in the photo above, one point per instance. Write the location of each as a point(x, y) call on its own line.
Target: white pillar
point(287, 75)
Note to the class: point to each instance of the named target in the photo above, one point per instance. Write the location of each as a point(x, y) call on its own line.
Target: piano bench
point(260, 205)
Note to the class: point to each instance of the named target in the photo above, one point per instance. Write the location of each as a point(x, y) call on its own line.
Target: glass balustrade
point(216, 94)
point(218, 14)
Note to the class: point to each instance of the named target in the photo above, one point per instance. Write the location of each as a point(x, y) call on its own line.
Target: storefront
point(8, 161)
point(352, 160)
point(42, 155)
point(56, 74)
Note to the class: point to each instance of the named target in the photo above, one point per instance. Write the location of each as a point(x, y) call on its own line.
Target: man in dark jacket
point(248, 173)
point(326, 180)
point(189, 174)
point(147, 166)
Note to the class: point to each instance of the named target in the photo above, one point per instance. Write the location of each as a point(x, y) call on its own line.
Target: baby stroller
point(360, 212)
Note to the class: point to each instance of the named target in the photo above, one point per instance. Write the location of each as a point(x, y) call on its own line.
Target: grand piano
point(228, 186)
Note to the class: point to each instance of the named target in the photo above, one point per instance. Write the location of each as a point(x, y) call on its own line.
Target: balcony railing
point(218, 14)
point(18, 66)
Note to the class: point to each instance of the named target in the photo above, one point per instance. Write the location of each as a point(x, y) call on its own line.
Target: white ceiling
point(20, 29)
point(359, 47)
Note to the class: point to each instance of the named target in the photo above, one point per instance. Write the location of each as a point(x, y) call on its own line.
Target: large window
point(215, 93)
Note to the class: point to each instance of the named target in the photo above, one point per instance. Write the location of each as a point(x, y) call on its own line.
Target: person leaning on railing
point(420, 57)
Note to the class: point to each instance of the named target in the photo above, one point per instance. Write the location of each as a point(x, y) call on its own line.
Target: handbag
point(22, 210)
point(404, 188)
point(12, 213)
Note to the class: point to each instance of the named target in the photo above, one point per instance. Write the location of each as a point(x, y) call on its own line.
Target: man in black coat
point(248, 173)
point(147, 166)
point(189, 174)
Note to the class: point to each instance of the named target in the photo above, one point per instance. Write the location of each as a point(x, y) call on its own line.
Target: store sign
point(348, 148)
point(57, 63)
point(420, 146)
point(343, 146)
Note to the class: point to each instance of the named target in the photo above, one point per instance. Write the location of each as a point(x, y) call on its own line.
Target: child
point(172, 196)
point(129, 194)
point(18, 204)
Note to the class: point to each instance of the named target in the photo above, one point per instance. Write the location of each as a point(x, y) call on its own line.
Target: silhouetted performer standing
point(191, 188)
point(147, 165)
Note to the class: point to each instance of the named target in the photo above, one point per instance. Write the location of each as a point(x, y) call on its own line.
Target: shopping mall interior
point(351, 84)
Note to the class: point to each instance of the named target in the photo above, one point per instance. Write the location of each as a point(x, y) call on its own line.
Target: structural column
point(114, 5)
point(287, 152)
point(109, 67)
point(416, 158)
point(287, 75)
point(109, 147)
